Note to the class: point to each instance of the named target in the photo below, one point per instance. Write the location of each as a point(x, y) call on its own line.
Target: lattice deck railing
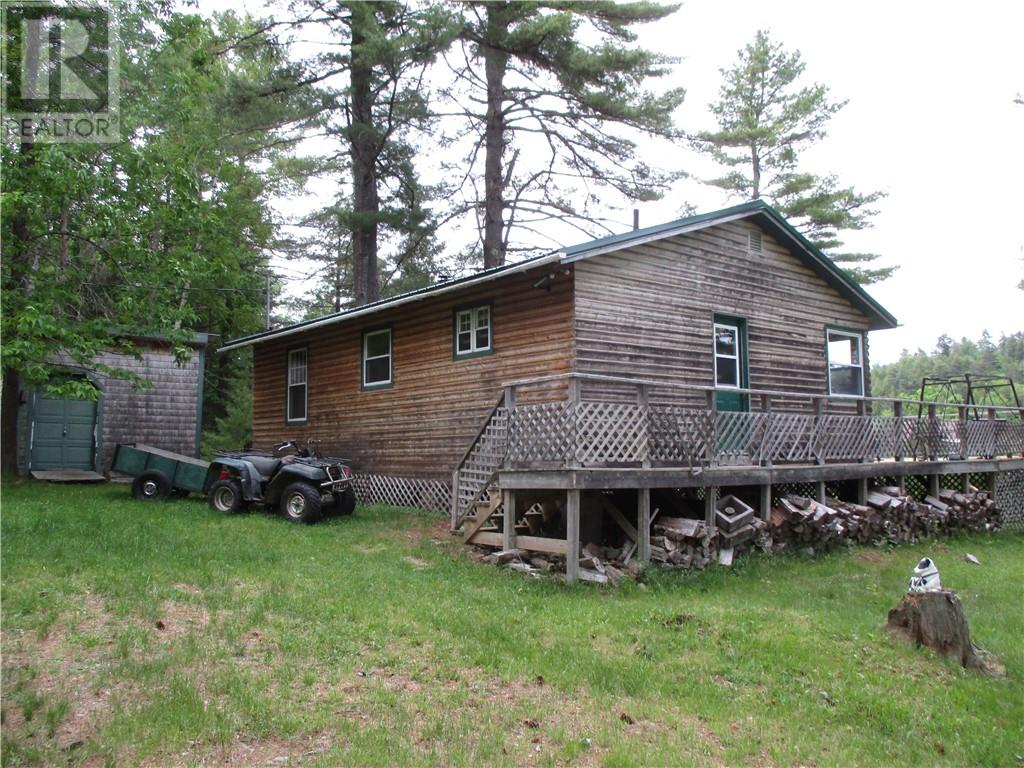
point(611, 431)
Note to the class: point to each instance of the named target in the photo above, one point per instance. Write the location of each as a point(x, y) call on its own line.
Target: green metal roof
point(772, 222)
point(766, 216)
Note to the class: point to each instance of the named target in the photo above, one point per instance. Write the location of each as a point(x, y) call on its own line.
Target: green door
point(730, 362)
point(63, 433)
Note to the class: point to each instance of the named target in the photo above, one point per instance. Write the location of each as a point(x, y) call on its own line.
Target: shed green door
point(63, 433)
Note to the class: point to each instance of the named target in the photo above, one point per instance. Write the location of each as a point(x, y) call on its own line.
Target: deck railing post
point(766, 431)
point(643, 400)
point(575, 397)
point(962, 417)
point(712, 449)
point(993, 431)
point(933, 432)
point(863, 428)
point(510, 407)
point(897, 413)
point(819, 416)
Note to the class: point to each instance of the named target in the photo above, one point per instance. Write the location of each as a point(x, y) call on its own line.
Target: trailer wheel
point(225, 495)
point(300, 503)
point(151, 484)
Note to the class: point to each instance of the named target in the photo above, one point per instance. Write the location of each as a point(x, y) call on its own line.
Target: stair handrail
point(458, 514)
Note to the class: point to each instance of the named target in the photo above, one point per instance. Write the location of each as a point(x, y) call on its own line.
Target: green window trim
point(842, 334)
point(366, 359)
point(300, 371)
point(468, 322)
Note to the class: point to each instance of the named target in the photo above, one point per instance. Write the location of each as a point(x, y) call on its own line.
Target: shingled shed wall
point(164, 415)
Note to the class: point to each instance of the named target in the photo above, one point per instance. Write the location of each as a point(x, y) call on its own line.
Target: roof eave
point(399, 301)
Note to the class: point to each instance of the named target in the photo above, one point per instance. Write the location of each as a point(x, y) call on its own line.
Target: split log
point(936, 619)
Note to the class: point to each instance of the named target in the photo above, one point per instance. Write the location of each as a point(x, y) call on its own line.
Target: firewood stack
point(888, 518)
point(683, 543)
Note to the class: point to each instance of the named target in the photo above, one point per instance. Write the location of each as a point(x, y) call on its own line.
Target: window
point(472, 331)
point(845, 363)
point(727, 355)
point(377, 358)
point(297, 377)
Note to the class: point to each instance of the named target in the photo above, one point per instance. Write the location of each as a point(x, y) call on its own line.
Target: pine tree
point(385, 48)
point(766, 118)
point(551, 115)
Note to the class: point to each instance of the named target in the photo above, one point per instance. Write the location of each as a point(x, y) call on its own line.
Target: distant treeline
point(1004, 357)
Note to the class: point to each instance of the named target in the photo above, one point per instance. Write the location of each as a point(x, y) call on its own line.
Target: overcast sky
point(930, 121)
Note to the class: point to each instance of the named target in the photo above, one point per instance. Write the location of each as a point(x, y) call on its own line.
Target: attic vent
point(754, 242)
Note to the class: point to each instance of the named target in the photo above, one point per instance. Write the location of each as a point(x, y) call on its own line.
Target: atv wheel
point(300, 503)
point(151, 484)
point(226, 496)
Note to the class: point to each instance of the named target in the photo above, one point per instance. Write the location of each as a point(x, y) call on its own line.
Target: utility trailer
point(159, 473)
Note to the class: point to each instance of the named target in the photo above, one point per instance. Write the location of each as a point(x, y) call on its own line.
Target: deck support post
point(508, 528)
point(965, 483)
point(710, 498)
point(455, 499)
point(992, 479)
point(766, 502)
point(819, 491)
point(901, 483)
point(897, 412)
point(862, 491)
point(643, 524)
point(572, 536)
point(933, 485)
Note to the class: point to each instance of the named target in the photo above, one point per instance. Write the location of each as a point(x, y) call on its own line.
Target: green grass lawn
point(164, 634)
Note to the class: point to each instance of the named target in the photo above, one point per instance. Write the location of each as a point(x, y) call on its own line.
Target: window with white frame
point(845, 362)
point(473, 330)
point(727, 356)
point(377, 358)
point(297, 384)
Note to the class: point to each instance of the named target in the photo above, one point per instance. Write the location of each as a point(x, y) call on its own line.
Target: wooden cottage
point(719, 350)
point(71, 434)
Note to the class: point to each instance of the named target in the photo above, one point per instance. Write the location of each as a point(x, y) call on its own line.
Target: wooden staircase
point(475, 497)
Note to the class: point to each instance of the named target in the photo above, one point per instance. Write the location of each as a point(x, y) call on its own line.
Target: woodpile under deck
point(534, 467)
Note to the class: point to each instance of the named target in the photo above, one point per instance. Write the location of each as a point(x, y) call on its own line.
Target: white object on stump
point(926, 577)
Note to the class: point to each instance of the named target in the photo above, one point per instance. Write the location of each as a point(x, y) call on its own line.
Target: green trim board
point(200, 392)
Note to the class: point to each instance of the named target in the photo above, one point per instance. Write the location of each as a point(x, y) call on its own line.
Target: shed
point(72, 434)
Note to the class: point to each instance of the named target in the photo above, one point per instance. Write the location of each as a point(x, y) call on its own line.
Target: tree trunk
point(936, 619)
point(495, 64)
point(19, 274)
point(364, 148)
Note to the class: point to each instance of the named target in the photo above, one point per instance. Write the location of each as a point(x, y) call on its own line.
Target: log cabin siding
point(647, 311)
point(421, 425)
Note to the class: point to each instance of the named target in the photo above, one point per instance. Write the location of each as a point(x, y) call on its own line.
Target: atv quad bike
point(304, 485)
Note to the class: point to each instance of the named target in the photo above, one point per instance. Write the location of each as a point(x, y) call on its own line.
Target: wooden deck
point(635, 436)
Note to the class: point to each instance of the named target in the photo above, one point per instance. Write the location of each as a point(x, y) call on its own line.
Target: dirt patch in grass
point(869, 556)
point(415, 562)
point(180, 619)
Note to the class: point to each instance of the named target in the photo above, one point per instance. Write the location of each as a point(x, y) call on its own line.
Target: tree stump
point(936, 619)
